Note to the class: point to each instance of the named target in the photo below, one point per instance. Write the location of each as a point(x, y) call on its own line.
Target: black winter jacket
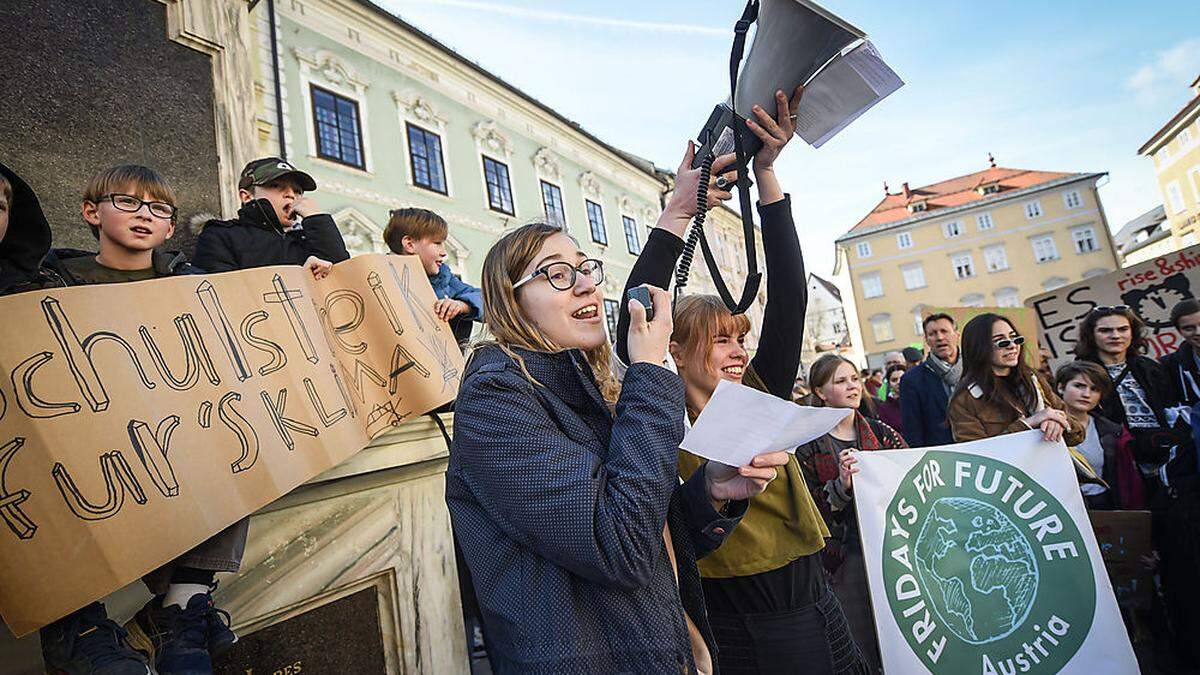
point(26, 243)
point(256, 239)
point(559, 507)
point(1184, 374)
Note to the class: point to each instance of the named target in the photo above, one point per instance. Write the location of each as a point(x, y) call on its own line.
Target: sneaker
point(175, 639)
point(87, 642)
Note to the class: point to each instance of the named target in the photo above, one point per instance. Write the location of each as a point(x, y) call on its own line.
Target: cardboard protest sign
point(1022, 318)
point(139, 419)
point(1150, 289)
point(1124, 539)
point(981, 559)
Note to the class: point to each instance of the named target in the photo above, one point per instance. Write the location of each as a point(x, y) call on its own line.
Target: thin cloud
point(576, 19)
point(1171, 69)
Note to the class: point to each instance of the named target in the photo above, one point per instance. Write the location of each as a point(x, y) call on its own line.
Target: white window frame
point(1175, 197)
point(1085, 233)
point(904, 240)
point(863, 248)
point(1033, 209)
point(918, 320)
point(882, 323)
point(419, 112)
point(1185, 136)
point(1033, 242)
point(957, 261)
point(952, 229)
point(990, 257)
point(1003, 294)
point(917, 280)
point(351, 86)
point(1072, 199)
point(972, 300)
point(871, 284)
point(984, 221)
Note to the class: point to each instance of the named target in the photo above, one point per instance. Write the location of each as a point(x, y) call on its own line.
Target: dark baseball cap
point(912, 354)
point(267, 169)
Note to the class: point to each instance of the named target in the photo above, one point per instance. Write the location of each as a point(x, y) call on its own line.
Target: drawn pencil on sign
point(220, 323)
point(287, 297)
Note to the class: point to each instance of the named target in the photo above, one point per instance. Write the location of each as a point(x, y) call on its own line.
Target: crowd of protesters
point(593, 542)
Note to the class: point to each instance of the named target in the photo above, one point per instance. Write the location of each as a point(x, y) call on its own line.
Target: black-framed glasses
point(1110, 309)
point(563, 275)
point(1005, 343)
point(131, 204)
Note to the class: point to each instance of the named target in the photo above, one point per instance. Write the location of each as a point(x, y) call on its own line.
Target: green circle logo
point(984, 569)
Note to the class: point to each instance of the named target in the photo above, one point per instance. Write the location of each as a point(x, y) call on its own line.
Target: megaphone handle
point(689, 245)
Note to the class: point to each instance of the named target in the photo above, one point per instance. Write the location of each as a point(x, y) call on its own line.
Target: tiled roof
point(954, 192)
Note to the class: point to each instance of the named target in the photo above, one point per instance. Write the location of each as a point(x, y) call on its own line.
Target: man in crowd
point(1183, 365)
point(927, 387)
point(912, 357)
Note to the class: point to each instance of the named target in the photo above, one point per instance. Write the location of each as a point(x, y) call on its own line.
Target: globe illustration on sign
point(980, 573)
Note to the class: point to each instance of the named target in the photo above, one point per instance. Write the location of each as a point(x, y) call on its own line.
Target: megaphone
point(794, 40)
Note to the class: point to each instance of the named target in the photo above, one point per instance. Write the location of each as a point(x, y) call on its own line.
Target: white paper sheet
point(846, 88)
point(739, 422)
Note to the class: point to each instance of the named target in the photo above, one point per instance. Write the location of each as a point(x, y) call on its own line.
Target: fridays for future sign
point(981, 559)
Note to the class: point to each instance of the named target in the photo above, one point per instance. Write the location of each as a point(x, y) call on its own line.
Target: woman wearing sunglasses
point(562, 487)
point(999, 393)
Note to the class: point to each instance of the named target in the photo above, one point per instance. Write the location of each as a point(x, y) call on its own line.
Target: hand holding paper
point(739, 423)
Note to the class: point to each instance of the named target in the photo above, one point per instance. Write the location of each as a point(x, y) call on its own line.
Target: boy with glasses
point(131, 210)
point(276, 225)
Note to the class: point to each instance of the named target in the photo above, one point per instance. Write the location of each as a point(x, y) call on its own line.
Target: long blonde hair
point(508, 326)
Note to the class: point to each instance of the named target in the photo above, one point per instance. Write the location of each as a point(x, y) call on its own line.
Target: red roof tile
point(953, 192)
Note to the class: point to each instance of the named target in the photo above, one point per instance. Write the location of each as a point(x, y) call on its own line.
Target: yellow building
point(1176, 152)
point(990, 238)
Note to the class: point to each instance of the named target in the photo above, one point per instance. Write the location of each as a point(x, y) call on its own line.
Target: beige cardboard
point(120, 449)
point(1150, 288)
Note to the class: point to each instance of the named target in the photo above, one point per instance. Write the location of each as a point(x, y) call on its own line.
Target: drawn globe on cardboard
point(980, 570)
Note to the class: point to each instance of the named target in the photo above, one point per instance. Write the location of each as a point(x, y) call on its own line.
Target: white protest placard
point(1150, 289)
point(981, 559)
point(740, 422)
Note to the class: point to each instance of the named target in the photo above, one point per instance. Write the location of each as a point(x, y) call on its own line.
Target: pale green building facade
point(393, 105)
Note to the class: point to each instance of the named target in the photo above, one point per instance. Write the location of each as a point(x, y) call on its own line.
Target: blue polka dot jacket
point(559, 505)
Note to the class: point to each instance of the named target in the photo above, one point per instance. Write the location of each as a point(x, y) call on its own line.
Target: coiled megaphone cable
point(697, 231)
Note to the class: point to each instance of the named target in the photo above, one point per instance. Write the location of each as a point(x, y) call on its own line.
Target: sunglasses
point(1110, 309)
point(1009, 342)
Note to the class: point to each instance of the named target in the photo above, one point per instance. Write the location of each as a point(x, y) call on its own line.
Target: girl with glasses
point(562, 484)
point(999, 393)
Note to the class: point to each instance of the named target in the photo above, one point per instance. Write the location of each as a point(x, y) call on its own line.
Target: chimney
point(991, 160)
point(905, 191)
point(885, 190)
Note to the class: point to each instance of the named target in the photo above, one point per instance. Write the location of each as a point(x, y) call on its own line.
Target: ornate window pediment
point(419, 109)
point(330, 66)
point(360, 233)
point(590, 185)
point(546, 164)
point(490, 139)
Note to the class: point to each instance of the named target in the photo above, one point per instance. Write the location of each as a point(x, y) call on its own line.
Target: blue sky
point(1064, 86)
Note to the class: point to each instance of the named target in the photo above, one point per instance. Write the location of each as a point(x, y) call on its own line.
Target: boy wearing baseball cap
point(277, 224)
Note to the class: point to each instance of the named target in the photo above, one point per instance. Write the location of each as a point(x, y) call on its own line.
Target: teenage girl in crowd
point(999, 393)
point(769, 605)
point(562, 485)
point(828, 468)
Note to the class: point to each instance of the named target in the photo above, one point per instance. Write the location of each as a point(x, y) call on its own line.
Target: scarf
point(950, 374)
